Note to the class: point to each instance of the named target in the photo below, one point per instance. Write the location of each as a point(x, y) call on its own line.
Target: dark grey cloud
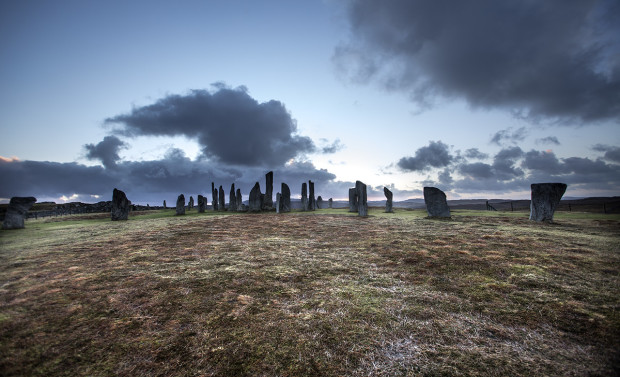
point(105, 151)
point(435, 155)
point(475, 154)
point(508, 136)
point(231, 126)
point(504, 163)
point(543, 161)
point(611, 153)
point(548, 140)
point(333, 147)
point(552, 60)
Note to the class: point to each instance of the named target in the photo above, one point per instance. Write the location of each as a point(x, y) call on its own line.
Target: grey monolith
point(436, 203)
point(232, 205)
point(278, 202)
point(304, 196)
point(352, 200)
point(362, 199)
point(190, 204)
point(120, 205)
point(268, 197)
point(311, 199)
point(330, 203)
point(255, 202)
point(388, 201)
point(17, 212)
point(239, 200)
point(181, 205)
point(214, 195)
point(165, 205)
point(545, 199)
point(319, 202)
point(202, 204)
point(285, 200)
point(221, 206)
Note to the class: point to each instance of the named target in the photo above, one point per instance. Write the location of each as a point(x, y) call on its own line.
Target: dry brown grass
point(299, 294)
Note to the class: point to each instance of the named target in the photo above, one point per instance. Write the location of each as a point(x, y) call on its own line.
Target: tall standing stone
point(239, 200)
point(120, 205)
point(165, 204)
point(352, 200)
point(222, 202)
point(255, 202)
point(436, 203)
point(311, 199)
point(362, 199)
point(214, 195)
point(202, 203)
point(304, 197)
point(181, 205)
point(17, 211)
point(190, 204)
point(388, 201)
point(278, 202)
point(545, 199)
point(330, 203)
point(268, 198)
point(319, 202)
point(285, 199)
point(232, 205)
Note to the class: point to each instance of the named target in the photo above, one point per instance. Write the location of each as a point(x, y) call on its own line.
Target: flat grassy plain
point(311, 294)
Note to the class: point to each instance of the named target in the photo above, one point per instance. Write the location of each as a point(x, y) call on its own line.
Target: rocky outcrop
point(388, 201)
point(255, 203)
point(17, 212)
point(285, 199)
point(268, 197)
point(202, 204)
point(304, 196)
point(362, 199)
point(120, 206)
point(545, 199)
point(181, 205)
point(436, 203)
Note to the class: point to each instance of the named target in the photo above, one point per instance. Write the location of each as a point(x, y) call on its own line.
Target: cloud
point(541, 60)
point(548, 140)
point(503, 136)
point(106, 151)
point(474, 153)
point(611, 153)
point(230, 126)
point(543, 161)
point(334, 147)
point(435, 155)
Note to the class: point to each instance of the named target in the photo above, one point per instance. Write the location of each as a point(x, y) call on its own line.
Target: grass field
point(311, 294)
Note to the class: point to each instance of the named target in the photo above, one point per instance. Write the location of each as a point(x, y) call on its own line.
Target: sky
point(478, 98)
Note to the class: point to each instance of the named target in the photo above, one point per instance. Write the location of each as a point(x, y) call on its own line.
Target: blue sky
point(477, 98)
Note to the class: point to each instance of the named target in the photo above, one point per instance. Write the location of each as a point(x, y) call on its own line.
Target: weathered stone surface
point(319, 202)
point(214, 196)
point(181, 205)
point(239, 201)
point(232, 205)
point(278, 203)
point(285, 199)
point(190, 204)
point(221, 206)
point(330, 203)
point(120, 205)
point(304, 196)
point(311, 199)
point(268, 197)
point(202, 203)
point(545, 199)
point(165, 205)
point(436, 203)
point(17, 212)
point(352, 200)
point(255, 202)
point(388, 201)
point(362, 199)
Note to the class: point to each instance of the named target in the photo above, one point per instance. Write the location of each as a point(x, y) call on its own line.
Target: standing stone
point(222, 204)
point(232, 205)
point(388, 202)
point(17, 211)
point(285, 199)
point(330, 203)
point(304, 197)
point(436, 203)
point(190, 205)
point(165, 204)
point(278, 202)
point(268, 198)
point(362, 200)
point(181, 205)
point(319, 202)
point(214, 195)
point(120, 205)
point(239, 200)
point(311, 200)
point(545, 199)
point(202, 203)
point(255, 199)
point(352, 200)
